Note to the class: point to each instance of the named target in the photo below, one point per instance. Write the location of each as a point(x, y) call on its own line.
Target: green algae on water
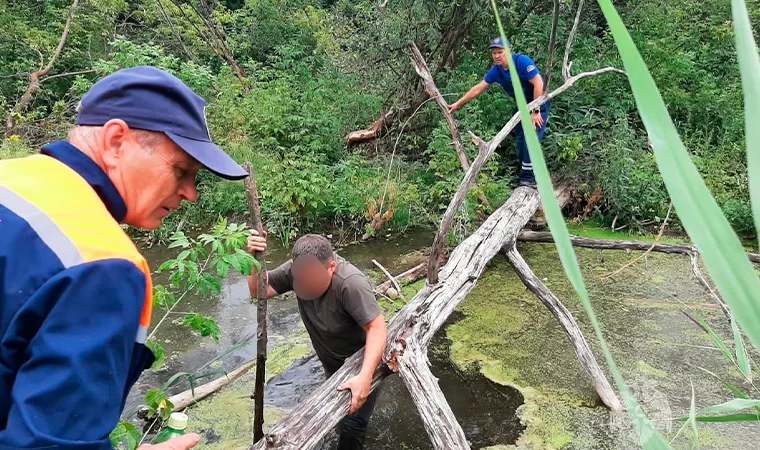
point(649, 370)
point(224, 419)
point(511, 338)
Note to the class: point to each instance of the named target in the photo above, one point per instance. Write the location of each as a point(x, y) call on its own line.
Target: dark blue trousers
point(355, 425)
point(526, 167)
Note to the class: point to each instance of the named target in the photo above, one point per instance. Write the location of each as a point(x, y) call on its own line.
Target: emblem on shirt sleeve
point(531, 68)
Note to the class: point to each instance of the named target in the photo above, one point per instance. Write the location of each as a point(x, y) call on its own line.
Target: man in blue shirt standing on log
point(532, 85)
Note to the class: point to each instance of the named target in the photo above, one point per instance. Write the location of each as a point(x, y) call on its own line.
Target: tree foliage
point(314, 71)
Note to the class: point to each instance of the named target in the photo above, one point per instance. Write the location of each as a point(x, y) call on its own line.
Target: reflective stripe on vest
point(71, 219)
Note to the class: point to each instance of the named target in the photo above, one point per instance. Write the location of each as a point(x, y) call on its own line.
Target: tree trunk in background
point(34, 77)
point(552, 46)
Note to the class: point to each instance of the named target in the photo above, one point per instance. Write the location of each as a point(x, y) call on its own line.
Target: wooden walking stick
point(261, 307)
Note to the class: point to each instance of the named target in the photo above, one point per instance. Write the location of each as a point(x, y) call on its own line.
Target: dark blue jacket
point(75, 303)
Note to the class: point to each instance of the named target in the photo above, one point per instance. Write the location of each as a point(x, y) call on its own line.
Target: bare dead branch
point(34, 77)
point(68, 74)
point(569, 46)
point(411, 275)
point(254, 207)
point(215, 39)
point(174, 31)
point(15, 75)
point(391, 279)
point(448, 217)
point(62, 42)
point(569, 325)
point(694, 262)
point(552, 45)
point(420, 66)
point(504, 132)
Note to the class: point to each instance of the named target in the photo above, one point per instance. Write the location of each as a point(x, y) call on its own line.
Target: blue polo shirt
point(526, 70)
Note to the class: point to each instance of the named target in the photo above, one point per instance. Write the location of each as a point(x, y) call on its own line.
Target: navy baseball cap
point(148, 98)
point(498, 42)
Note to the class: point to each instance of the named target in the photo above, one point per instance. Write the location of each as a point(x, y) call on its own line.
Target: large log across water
point(413, 327)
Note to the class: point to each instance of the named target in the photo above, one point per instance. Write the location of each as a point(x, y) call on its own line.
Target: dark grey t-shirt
point(334, 320)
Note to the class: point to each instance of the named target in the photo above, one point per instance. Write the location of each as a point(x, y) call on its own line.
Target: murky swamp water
point(503, 362)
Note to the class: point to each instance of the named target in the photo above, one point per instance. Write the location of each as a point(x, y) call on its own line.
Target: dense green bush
point(315, 72)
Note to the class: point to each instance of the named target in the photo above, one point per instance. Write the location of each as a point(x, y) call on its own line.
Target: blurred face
point(499, 56)
point(311, 277)
point(152, 173)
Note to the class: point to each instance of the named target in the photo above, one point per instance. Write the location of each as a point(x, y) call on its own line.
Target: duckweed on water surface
point(511, 338)
point(224, 420)
point(507, 335)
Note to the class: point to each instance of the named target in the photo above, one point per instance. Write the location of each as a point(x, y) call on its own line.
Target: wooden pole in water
point(261, 307)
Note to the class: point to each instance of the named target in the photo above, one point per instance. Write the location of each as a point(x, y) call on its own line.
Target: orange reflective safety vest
point(75, 302)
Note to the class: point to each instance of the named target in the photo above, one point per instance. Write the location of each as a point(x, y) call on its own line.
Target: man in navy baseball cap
point(147, 98)
point(147, 131)
point(532, 84)
point(498, 42)
point(76, 296)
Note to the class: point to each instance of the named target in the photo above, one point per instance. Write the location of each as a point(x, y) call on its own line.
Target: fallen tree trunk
point(605, 244)
point(430, 401)
point(192, 396)
point(412, 327)
point(569, 325)
point(564, 193)
point(376, 130)
point(608, 244)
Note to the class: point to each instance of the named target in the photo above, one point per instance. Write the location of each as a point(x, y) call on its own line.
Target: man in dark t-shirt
point(340, 312)
point(532, 86)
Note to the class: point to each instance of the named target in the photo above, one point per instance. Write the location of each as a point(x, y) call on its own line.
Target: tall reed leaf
point(703, 220)
point(717, 340)
point(742, 360)
point(730, 418)
point(749, 65)
point(730, 406)
point(692, 419)
point(727, 412)
point(650, 438)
